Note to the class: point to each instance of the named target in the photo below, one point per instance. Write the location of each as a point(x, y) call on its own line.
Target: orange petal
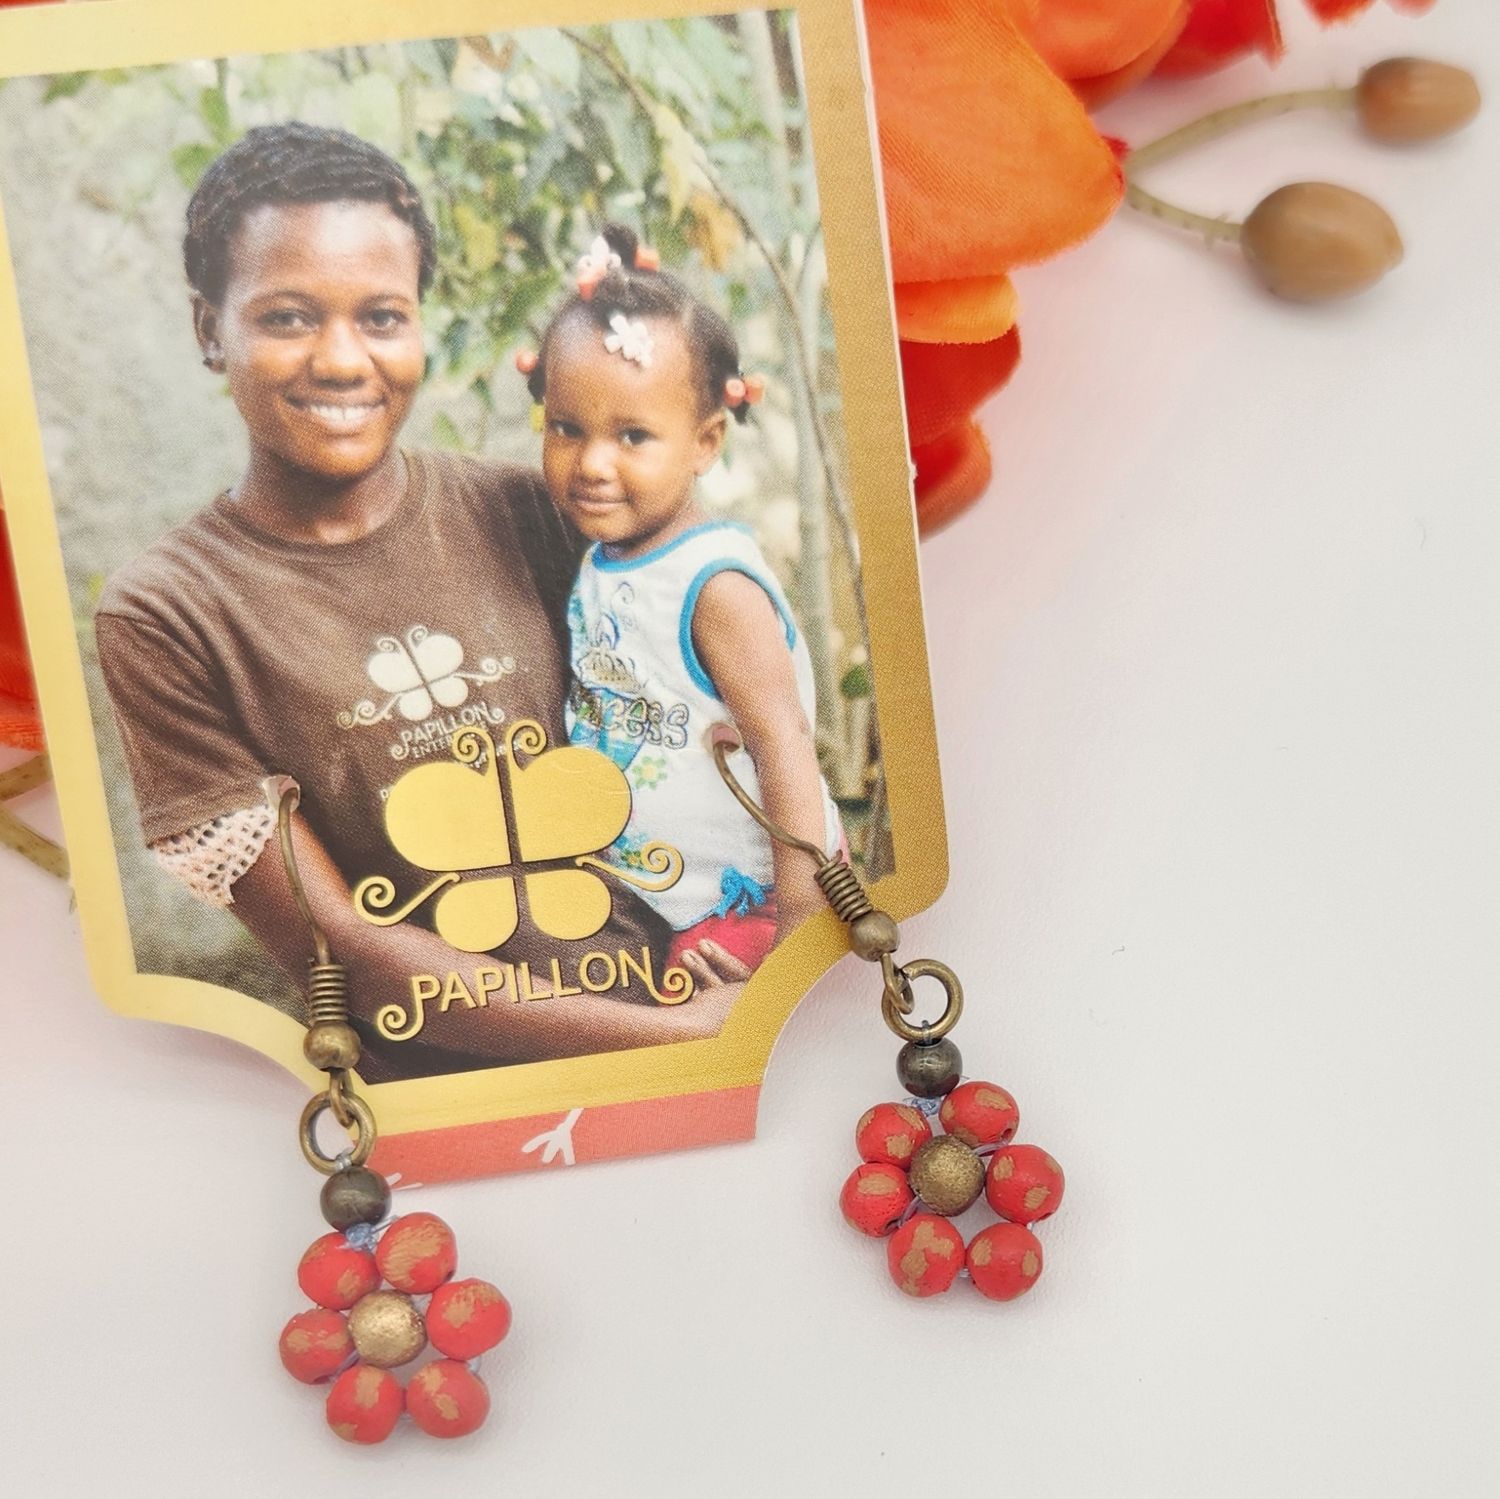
point(20, 727)
point(1218, 31)
point(1345, 10)
point(945, 382)
point(1084, 38)
point(953, 471)
point(989, 158)
point(1106, 86)
point(1022, 12)
point(968, 311)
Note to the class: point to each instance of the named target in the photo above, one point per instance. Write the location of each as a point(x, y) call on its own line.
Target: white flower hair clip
point(595, 266)
point(630, 339)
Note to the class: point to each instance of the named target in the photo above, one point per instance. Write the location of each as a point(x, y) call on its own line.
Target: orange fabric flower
point(968, 310)
point(1218, 31)
point(952, 471)
point(990, 160)
point(1084, 38)
point(945, 382)
point(1343, 10)
point(1102, 87)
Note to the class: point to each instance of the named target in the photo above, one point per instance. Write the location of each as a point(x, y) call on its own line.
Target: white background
point(1216, 682)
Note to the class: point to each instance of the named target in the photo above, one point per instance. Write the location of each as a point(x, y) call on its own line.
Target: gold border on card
point(132, 33)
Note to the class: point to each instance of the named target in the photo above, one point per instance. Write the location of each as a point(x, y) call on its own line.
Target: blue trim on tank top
point(740, 894)
point(606, 563)
point(711, 570)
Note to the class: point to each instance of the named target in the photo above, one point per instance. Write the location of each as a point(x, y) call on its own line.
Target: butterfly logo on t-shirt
point(568, 805)
point(419, 673)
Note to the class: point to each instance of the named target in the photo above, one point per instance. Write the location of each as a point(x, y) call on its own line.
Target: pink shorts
point(748, 936)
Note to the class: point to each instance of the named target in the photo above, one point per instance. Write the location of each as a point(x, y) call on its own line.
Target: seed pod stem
point(1212, 230)
point(1222, 121)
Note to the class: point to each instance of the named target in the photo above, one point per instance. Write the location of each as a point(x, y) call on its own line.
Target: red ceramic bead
point(890, 1132)
point(980, 1114)
point(315, 1344)
point(1023, 1183)
point(364, 1404)
point(925, 1254)
point(1004, 1261)
point(466, 1318)
point(874, 1198)
point(416, 1253)
point(446, 1399)
point(335, 1274)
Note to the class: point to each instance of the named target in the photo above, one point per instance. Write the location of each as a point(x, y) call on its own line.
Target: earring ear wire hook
point(873, 933)
point(288, 796)
point(331, 1043)
point(723, 743)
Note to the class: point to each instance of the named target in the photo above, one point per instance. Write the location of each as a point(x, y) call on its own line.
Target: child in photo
point(677, 623)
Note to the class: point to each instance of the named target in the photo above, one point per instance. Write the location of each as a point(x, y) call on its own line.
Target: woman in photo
point(323, 617)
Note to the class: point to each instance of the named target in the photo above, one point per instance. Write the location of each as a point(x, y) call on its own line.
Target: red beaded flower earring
point(927, 1159)
point(382, 1288)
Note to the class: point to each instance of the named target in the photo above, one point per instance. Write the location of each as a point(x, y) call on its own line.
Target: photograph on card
point(447, 437)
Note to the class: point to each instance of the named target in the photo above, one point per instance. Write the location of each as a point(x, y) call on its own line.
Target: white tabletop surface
point(1216, 673)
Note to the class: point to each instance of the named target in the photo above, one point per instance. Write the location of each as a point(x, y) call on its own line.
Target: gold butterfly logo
point(566, 804)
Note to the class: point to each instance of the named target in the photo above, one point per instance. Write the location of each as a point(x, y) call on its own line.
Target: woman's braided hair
point(640, 293)
point(293, 163)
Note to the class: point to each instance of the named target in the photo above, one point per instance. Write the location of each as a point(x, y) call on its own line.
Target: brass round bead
point(387, 1329)
point(357, 1195)
point(947, 1175)
point(331, 1046)
point(874, 936)
point(930, 1071)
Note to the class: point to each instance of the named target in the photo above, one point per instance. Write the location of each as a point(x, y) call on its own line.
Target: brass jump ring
point(925, 1032)
point(363, 1132)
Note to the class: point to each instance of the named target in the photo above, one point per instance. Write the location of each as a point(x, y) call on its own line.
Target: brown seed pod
point(1314, 241)
point(1404, 100)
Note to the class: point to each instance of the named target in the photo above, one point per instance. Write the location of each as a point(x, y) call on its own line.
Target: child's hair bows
point(595, 266)
point(744, 390)
point(631, 339)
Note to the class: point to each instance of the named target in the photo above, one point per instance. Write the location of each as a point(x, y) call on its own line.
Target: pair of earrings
point(383, 1289)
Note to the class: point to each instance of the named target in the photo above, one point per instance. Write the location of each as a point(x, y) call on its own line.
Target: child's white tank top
point(642, 697)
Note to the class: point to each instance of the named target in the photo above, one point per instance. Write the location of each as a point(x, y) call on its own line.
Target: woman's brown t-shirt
point(232, 655)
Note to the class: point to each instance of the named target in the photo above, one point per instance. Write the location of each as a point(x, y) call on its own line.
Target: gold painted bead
point(873, 936)
point(946, 1175)
point(387, 1329)
point(331, 1046)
